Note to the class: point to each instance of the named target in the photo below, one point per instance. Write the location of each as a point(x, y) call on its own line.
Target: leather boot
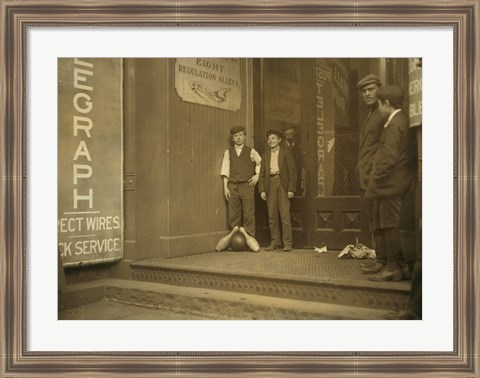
point(380, 245)
point(387, 274)
point(375, 268)
point(369, 262)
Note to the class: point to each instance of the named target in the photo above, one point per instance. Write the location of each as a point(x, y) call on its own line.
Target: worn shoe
point(368, 263)
point(387, 274)
point(287, 248)
point(272, 247)
point(375, 268)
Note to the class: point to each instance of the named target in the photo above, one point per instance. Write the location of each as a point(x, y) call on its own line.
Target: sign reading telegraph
point(89, 160)
point(209, 81)
point(325, 128)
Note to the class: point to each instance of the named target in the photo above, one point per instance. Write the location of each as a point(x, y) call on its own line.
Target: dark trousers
point(394, 233)
point(387, 235)
point(366, 211)
point(412, 245)
point(388, 246)
point(241, 205)
point(407, 226)
point(415, 298)
point(278, 202)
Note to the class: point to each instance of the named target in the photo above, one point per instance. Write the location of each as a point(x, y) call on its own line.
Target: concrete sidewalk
point(113, 299)
point(301, 284)
point(109, 310)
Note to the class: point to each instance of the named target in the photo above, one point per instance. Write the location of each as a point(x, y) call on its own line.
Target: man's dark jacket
point(395, 160)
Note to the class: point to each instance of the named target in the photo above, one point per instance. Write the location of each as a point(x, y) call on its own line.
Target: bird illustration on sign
point(207, 94)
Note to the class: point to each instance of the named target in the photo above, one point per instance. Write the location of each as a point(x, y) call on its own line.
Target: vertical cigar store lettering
point(82, 126)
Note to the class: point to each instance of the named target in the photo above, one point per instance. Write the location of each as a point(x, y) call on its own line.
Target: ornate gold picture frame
point(18, 16)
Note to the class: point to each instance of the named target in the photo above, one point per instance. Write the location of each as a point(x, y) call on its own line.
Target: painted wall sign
point(90, 189)
point(209, 81)
point(415, 91)
point(325, 128)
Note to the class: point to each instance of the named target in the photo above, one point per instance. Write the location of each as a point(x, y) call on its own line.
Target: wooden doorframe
point(299, 205)
point(336, 230)
point(309, 130)
point(261, 215)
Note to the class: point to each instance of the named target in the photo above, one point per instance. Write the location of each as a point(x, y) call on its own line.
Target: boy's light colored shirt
point(274, 168)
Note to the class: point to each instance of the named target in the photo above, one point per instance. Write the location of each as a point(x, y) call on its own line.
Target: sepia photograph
point(205, 188)
point(240, 188)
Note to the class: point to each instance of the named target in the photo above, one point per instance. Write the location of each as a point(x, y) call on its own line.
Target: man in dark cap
point(390, 178)
point(240, 171)
point(277, 183)
point(292, 143)
point(369, 137)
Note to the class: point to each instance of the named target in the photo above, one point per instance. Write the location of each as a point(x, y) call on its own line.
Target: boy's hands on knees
point(253, 180)
point(291, 195)
point(263, 195)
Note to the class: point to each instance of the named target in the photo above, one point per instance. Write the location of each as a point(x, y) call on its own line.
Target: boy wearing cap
point(240, 171)
point(392, 172)
point(278, 180)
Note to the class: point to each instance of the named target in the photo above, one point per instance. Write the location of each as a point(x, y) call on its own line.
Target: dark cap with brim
point(369, 79)
point(393, 93)
point(274, 132)
point(237, 129)
point(291, 127)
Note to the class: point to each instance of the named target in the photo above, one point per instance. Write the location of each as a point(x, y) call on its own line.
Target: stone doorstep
point(299, 266)
point(304, 289)
point(207, 302)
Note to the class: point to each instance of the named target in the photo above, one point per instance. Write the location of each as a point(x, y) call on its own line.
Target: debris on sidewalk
point(357, 251)
point(320, 250)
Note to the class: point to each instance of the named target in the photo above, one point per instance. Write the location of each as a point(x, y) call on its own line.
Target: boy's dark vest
point(242, 168)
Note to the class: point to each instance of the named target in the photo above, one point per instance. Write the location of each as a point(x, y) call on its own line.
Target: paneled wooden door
point(313, 96)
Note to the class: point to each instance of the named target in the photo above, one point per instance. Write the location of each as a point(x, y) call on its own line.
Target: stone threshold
point(299, 276)
point(206, 303)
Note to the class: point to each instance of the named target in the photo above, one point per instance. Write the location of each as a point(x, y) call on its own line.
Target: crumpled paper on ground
point(357, 251)
point(320, 250)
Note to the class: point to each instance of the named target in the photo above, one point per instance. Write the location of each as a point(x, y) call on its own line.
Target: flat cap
point(237, 129)
point(290, 127)
point(393, 93)
point(278, 133)
point(369, 79)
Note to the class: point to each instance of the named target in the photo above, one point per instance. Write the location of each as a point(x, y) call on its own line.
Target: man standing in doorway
point(369, 139)
point(292, 143)
point(391, 176)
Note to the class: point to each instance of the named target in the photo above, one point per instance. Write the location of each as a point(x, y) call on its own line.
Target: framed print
point(115, 119)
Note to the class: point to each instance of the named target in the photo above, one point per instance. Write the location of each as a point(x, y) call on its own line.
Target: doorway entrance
point(317, 98)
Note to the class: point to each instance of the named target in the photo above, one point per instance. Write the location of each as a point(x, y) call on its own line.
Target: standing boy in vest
point(240, 171)
point(278, 181)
